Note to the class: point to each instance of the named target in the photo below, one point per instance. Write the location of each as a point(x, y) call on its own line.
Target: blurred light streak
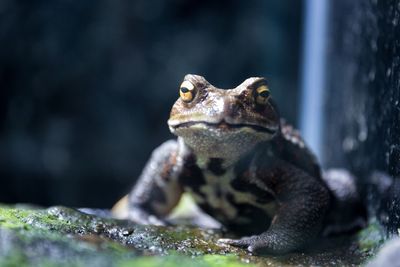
point(313, 76)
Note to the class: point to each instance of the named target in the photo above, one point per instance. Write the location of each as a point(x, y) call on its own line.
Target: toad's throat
point(225, 126)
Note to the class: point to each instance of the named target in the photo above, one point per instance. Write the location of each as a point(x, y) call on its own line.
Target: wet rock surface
point(63, 236)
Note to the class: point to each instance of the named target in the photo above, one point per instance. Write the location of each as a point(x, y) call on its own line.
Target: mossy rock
point(60, 236)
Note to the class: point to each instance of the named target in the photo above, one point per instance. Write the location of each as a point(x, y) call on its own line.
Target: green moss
point(19, 260)
point(63, 235)
point(227, 260)
point(176, 260)
point(371, 238)
point(13, 218)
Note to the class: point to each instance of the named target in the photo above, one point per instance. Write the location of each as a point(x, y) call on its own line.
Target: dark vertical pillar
point(362, 102)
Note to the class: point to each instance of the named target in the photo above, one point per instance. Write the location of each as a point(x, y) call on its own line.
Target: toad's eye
point(187, 91)
point(262, 95)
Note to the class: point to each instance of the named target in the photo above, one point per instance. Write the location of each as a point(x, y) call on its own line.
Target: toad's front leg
point(157, 191)
point(303, 201)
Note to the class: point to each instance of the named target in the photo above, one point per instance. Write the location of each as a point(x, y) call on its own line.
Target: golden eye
point(187, 91)
point(262, 94)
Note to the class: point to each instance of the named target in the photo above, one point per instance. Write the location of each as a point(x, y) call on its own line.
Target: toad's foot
point(252, 243)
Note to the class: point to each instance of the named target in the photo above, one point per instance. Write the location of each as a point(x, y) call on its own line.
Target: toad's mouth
point(224, 126)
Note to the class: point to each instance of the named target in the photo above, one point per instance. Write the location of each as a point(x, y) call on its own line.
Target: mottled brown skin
point(243, 166)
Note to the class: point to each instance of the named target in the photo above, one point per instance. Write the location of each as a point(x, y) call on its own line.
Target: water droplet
point(374, 46)
point(127, 232)
point(348, 144)
point(362, 135)
point(246, 260)
point(395, 21)
point(371, 75)
point(388, 72)
point(363, 129)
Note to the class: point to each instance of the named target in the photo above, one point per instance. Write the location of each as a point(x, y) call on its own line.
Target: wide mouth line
point(223, 124)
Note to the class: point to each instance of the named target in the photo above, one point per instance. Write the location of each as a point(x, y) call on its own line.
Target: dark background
point(86, 86)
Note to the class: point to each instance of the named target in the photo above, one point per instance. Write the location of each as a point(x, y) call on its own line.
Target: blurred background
point(86, 86)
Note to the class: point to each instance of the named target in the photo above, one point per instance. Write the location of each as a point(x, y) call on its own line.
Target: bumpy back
point(290, 147)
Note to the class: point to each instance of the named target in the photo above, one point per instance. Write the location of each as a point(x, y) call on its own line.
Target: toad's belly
point(240, 218)
point(239, 206)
